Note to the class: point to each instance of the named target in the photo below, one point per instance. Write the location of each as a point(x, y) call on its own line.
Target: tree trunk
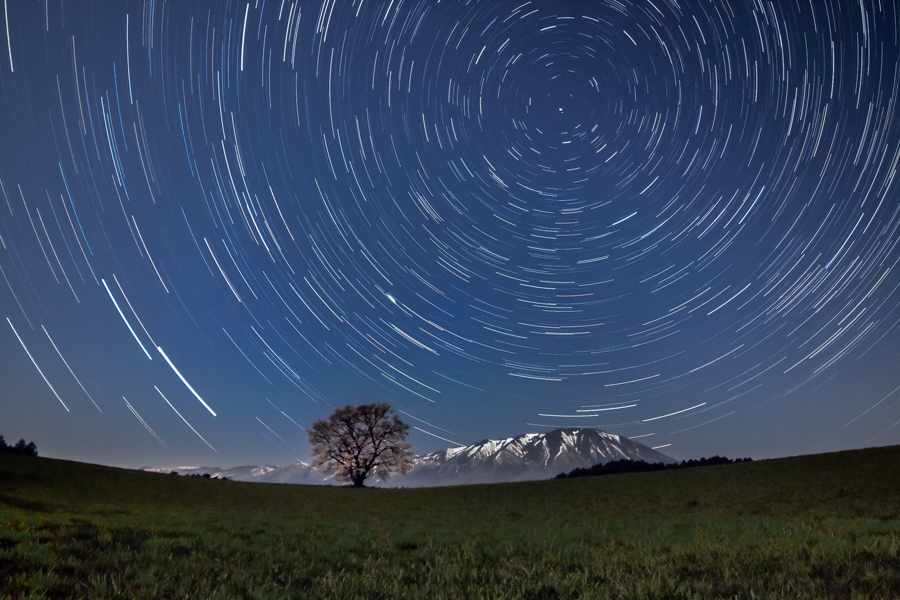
point(357, 479)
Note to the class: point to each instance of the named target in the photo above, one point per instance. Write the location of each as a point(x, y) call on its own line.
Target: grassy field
point(822, 526)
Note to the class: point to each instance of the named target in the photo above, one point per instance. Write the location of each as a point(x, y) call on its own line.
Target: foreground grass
point(825, 526)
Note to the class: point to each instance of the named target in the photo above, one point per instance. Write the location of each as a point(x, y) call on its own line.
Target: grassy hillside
point(822, 526)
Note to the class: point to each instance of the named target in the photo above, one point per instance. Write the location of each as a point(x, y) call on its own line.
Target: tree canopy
point(356, 442)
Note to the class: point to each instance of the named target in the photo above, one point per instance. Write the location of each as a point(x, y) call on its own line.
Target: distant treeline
point(625, 465)
point(204, 476)
point(21, 447)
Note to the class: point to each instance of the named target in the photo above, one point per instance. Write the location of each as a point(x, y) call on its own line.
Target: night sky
point(674, 221)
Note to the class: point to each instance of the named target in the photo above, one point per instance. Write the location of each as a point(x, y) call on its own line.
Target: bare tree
point(358, 441)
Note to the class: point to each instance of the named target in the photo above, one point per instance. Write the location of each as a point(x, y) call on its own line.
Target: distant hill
point(527, 457)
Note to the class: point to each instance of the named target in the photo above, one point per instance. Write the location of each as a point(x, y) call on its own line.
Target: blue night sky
point(674, 221)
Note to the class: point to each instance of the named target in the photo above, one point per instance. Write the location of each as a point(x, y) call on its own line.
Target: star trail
point(674, 221)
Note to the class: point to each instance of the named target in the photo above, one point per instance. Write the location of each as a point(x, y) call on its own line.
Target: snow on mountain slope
point(297, 473)
point(526, 457)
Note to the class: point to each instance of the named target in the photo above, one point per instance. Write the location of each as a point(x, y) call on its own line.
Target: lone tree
point(358, 441)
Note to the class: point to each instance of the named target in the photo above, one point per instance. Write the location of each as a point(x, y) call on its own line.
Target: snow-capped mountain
point(297, 473)
point(526, 457)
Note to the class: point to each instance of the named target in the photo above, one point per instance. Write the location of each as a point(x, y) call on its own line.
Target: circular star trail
point(673, 221)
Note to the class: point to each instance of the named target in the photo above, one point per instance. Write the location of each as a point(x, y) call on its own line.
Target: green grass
point(822, 526)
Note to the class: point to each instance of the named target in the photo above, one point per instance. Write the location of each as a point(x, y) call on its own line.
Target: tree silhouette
point(625, 465)
point(358, 441)
point(29, 449)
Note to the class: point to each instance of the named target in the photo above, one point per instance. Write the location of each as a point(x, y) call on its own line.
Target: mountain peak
point(529, 456)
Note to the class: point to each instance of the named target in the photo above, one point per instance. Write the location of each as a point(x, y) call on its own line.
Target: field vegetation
point(821, 526)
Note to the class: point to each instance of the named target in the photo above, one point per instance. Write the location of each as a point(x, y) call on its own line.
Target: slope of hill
point(819, 526)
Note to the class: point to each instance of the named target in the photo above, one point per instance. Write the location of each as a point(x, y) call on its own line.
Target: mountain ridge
point(526, 457)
